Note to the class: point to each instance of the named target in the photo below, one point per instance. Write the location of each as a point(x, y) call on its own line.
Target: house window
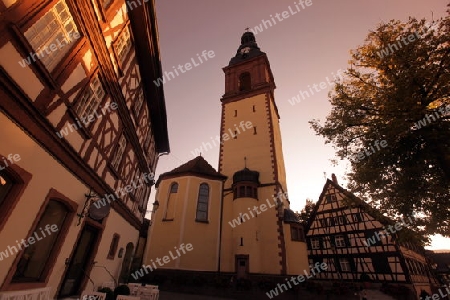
point(254, 109)
point(373, 238)
point(344, 264)
point(6, 184)
point(297, 233)
point(330, 198)
point(235, 113)
point(381, 265)
point(357, 217)
point(123, 44)
point(341, 220)
point(339, 241)
point(323, 222)
point(52, 36)
point(202, 203)
point(148, 142)
point(315, 243)
point(245, 82)
point(254, 130)
point(106, 3)
point(139, 101)
point(331, 221)
point(90, 99)
point(37, 257)
point(117, 158)
point(114, 246)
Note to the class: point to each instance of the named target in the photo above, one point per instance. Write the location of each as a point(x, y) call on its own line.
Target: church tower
point(260, 234)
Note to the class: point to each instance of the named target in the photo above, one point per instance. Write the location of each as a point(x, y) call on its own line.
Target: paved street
point(175, 296)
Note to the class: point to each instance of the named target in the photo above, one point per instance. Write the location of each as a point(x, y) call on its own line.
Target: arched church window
point(245, 81)
point(174, 188)
point(202, 203)
point(171, 201)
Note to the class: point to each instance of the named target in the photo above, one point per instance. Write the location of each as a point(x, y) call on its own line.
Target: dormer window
point(245, 82)
point(248, 190)
point(245, 184)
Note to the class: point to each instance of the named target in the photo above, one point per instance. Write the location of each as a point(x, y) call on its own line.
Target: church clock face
point(245, 50)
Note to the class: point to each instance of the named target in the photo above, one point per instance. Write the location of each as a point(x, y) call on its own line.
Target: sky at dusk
point(309, 46)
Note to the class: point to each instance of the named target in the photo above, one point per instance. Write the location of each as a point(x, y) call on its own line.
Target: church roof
point(246, 175)
point(290, 216)
point(248, 42)
point(197, 166)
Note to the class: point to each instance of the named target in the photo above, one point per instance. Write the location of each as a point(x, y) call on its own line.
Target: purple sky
point(303, 49)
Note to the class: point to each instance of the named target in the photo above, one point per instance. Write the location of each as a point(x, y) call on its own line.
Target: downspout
point(220, 225)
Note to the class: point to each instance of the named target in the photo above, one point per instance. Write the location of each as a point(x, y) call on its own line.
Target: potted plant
point(109, 293)
point(121, 290)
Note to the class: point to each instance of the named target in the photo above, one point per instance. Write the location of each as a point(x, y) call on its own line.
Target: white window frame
point(139, 101)
point(55, 25)
point(90, 99)
point(315, 243)
point(345, 265)
point(122, 45)
point(117, 158)
point(339, 241)
point(323, 222)
point(355, 217)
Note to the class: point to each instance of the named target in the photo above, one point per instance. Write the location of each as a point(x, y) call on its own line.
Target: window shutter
point(321, 243)
point(352, 264)
point(347, 240)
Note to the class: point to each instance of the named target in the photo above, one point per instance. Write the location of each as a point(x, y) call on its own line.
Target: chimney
point(333, 177)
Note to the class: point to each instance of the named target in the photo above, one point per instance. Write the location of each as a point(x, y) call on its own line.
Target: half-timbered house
point(81, 127)
point(359, 244)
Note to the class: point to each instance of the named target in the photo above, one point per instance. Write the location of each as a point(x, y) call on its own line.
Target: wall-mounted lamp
point(154, 207)
point(84, 211)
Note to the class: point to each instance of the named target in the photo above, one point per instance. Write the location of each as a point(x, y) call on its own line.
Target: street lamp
point(155, 206)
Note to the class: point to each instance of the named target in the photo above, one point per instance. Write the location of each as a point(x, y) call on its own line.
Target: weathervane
point(247, 29)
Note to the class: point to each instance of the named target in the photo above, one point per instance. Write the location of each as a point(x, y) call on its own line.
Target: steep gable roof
point(350, 200)
point(442, 260)
point(197, 166)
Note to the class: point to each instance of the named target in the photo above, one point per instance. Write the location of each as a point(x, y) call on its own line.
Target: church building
point(235, 220)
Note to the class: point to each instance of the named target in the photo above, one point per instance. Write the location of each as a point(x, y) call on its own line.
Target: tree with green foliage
point(397, 92)
point(306, 212)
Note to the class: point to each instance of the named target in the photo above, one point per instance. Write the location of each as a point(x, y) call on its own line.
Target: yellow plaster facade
point(168, 233)
point(249, 229)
